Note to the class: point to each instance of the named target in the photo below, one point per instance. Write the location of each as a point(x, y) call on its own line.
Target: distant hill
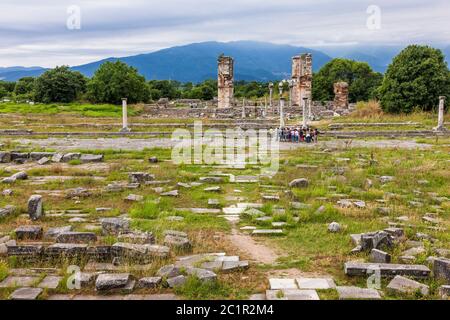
point(197, 62)
point(259, 61)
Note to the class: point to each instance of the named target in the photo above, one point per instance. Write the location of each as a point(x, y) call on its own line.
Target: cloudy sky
point(37, 33)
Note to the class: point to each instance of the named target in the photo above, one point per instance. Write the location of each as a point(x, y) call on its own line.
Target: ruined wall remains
point(341, 95)
point(225, 82)
point(302, 78)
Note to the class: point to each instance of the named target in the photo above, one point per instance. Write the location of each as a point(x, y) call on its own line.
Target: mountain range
point(196, 62)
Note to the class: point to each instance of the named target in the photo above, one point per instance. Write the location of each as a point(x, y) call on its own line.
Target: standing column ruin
point(125, 116)
point(282, 123)
point(225, 82)
point(271, 95)
point(440, 126)
point(301, 78)
point(305, 111)
point(341, 95)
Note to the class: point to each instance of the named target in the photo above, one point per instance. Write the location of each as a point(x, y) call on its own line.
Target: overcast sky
point(36, 33)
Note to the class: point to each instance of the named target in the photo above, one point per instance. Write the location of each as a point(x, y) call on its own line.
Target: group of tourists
point(297, 135)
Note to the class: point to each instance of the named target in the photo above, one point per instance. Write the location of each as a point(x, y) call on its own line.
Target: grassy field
point(334, 173)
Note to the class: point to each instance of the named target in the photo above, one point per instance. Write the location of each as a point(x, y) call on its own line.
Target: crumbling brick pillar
point(225, 82)
point(341, 95)
point(301, 78)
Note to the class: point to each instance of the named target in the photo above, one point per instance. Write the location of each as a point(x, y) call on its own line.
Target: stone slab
point(316, 283)
point(355, 293)
point(386, 269)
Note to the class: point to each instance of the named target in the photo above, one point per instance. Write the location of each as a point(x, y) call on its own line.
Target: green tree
point(415, 79)
point(59, 85)
point(116, 80)
point(3, 92)
point(24, 88)
point(165, 89)
point(362, 80)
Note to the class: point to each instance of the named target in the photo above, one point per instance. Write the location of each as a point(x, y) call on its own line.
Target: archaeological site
point(224, 171)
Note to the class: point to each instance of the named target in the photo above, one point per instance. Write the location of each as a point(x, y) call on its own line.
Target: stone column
point(243, 108)
point(124, 116)
point(280, 90)
point(271, 94)
point(341, 95)
point(440, 126)
point(282, 124)
point(305, 115)
point(310, 117)
point(225, 82)
point(291, 88)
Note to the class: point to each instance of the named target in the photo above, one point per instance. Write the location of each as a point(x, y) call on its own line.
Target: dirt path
point(257, 252)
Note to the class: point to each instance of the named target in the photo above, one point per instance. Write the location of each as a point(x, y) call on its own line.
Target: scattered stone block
point(304, 295)
point(35, 207)
point(212, 189)
point(266, 232)
point(407, 286)
point(202, 274)
point(379, 256)
point(173, 193)
point(278, 284)
point(22, 175)
point(25, 251)
point(355, 293)
point(177, 242)
point(52, 233)
point(444, 291)
point(134, 198)
point(57, 157)
point(68, 250)
point(76, 237)
point(114, 226)
point(114, 281)
point(5, 157)
point(169, 271)
point(140, 177)
point(316, 283)
point(44, 161)
point(376, 240)
point(19, 281)
point(26, 294)
point(29, 232)
point(211, 179)
point(177, 281)
point(386, 269)
point(299, 183)
point(334, 227)
point(231, 266)
point(50, 282)
point(88, 158)
point(441, 269)
point(137, 237)
point(71, 156)
point(149, 282)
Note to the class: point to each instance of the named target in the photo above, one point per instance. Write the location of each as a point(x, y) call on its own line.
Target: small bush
point(371, 109)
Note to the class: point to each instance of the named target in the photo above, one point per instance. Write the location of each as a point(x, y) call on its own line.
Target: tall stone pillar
point(341, 95)
point(305, 112)
point(124, 116)
point(440, 126)
point(282, 123)
point(302, 78)
point(225, 82)
point(271, 94)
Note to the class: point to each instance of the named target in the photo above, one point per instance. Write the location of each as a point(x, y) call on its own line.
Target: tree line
point(414, 79)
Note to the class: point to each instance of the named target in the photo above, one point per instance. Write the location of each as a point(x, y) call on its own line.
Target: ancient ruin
point(341, 95)
point(441, 110)
point(302, 78)
point(225, 82)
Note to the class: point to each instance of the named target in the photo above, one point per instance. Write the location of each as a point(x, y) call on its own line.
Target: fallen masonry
point(404, 285)
point(386, 269)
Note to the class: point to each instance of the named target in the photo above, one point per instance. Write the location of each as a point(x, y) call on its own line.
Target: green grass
point(195, 289)
point(87, 110)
